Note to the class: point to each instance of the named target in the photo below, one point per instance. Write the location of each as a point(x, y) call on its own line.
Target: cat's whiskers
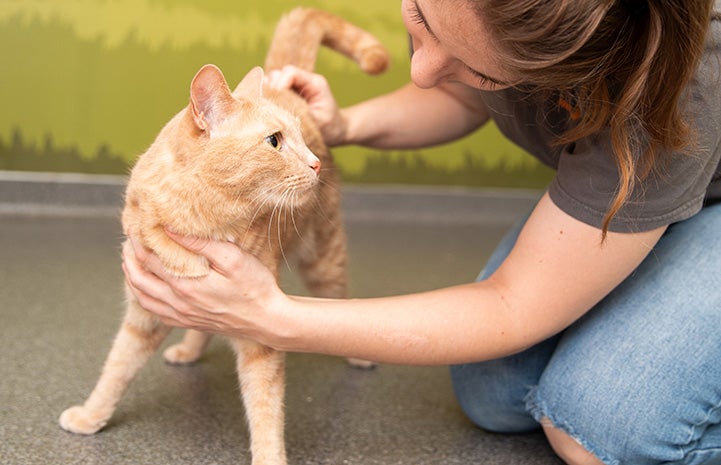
point(330, 185)
point(280, 203)
point(260, 201)
point(290, 203)
point(270, 223)
point(318, 203)
point(258, 204)
point(277, 207)
point(292, 216)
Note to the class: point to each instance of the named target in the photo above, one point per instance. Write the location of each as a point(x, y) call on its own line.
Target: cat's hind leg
point(189, 349)
point(139, 336)
point(261, 371)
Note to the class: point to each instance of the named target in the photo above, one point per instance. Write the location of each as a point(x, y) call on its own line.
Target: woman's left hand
point(231, 300)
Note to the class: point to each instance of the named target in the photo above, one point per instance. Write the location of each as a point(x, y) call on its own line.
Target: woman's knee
point(489, 403)
point(567, 448)
point(493, 393)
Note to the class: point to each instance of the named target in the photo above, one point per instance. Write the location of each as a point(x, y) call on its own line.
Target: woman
point(598, 316)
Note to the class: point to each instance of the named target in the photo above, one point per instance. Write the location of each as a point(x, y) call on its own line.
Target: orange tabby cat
point(248, 166)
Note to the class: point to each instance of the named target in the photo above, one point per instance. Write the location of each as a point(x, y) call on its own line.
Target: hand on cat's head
point(314, 88)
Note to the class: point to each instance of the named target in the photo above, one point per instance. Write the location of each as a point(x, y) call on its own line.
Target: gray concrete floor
point(61, 302)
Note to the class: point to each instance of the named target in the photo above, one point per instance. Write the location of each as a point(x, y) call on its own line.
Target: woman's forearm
point(430, 328)
point(538, 291)
point(412, 117)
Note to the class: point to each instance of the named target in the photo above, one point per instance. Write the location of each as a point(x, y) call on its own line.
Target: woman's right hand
point(315, 90)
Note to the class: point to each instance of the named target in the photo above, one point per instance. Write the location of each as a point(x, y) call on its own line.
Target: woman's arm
point(557, 271)
point(409, 117)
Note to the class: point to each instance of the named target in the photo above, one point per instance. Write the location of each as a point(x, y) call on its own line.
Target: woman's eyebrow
point(422, 19)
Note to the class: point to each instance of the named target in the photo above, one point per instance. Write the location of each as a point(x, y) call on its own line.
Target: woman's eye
point(274, 140)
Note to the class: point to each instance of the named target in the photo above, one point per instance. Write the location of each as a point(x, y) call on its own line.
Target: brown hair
point(623, 65)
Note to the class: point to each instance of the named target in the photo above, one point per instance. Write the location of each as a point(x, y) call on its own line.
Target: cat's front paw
point(79, 420)
point(180, 354)
point(359, 363)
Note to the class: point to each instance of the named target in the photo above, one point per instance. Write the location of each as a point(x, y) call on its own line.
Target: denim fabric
point(637, 380)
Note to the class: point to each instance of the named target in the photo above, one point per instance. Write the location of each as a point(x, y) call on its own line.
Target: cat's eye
point(274, 140)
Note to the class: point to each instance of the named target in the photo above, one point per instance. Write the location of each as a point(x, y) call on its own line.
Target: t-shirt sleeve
point(587, 180)
point(587, 177)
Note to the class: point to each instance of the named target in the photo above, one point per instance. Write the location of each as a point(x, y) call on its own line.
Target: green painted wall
point(85, 85)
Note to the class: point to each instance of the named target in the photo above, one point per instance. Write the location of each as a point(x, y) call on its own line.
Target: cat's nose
point(315, 166)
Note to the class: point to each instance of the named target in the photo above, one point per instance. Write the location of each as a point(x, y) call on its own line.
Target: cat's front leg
point(261, 371)
point(138, 337)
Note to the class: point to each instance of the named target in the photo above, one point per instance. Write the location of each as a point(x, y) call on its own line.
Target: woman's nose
point(430, 67)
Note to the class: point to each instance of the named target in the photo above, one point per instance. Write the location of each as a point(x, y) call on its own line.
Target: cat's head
point(246, 146)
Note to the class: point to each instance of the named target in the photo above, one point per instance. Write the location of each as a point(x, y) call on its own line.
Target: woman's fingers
point(223, 256)
point(278, 79)
point(151, 292)
point(288, 77)
point(315, 89)
point(135, 251)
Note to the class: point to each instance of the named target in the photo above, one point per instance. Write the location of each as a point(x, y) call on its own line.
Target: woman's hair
point(621, 64)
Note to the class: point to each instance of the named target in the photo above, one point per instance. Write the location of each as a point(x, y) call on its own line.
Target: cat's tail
point(302, 31)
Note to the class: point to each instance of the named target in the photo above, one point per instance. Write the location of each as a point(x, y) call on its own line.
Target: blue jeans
point(637, 380)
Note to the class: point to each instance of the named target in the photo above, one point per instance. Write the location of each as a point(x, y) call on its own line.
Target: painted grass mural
point(87, 84)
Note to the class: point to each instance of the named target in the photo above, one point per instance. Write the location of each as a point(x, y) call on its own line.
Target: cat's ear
point(209, 96)
point(251, 87)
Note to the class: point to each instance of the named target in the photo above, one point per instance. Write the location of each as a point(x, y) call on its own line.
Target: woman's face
point(450, 45)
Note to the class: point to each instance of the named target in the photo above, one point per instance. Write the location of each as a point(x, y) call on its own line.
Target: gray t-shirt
point(587, 177)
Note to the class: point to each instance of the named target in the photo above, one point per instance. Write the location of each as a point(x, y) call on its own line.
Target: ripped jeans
point(637, 380)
